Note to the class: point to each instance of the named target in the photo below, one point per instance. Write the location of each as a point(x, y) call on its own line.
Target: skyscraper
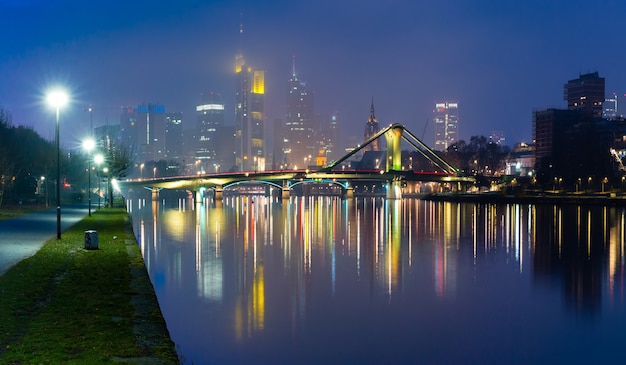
point(371, 128)
point(446, 124)
point(609, 108)
point(249, 116)
point(329, 137)
point(209, 119)
point(174, 136)
point(151, 131)
point(586, 93)
point(299, 132)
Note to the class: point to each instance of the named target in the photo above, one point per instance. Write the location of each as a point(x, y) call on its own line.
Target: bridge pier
point(198, 196)
point(218, 193)
point(285, 193)
point(394, 190)
point(349, 193)
point(155, 194)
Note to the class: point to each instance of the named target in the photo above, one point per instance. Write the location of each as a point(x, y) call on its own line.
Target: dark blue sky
point(499, 60)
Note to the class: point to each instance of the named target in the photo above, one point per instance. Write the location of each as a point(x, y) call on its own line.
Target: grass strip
point(66, 304)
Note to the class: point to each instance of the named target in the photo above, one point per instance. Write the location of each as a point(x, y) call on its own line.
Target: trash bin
point(91, 240)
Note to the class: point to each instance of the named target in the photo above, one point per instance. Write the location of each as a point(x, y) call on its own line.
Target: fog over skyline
point(499, 60)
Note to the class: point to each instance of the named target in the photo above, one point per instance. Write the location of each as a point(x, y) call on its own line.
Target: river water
point(317, 280)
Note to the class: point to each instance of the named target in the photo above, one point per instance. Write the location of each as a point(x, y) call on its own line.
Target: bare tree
point(118, 160)
point(6, 164)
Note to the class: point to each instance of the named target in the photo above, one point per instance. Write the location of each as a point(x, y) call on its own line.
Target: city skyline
point(501, 61)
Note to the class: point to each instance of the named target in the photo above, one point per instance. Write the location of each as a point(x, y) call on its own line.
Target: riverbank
point(532, 198)
point(68, 304)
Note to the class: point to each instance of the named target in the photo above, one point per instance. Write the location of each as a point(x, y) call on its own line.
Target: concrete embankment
point(497, 198)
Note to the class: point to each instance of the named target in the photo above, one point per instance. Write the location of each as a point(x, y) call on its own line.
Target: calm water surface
point(324, 280)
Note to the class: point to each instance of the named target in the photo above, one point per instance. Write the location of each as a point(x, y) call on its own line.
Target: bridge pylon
point(393, 137)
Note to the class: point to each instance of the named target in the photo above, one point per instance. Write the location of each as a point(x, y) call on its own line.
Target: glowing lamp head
point(98, 159)
point(89, 144)
point(57, 98)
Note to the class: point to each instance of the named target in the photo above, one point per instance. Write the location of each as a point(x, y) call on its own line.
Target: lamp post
point(108, 198)
point(57, 99)
point(98, 159)
point(88, 145)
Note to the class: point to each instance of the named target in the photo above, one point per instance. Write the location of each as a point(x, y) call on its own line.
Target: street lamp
point(89, 145)
point(58, 99)
point(141, 170)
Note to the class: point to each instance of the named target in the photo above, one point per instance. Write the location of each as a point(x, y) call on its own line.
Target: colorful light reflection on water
point(325, 280)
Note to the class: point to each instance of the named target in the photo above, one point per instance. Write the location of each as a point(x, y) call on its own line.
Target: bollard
point(91, 240)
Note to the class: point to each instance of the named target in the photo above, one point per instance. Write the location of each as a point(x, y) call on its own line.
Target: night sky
point(499, 60)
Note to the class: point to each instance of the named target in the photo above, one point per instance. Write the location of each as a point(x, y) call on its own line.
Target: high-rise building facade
point(209, 120)
point(586, 93)
point(609, 108)
point(174, 141)
point(371, 128)
point(249, 116)
point(151, 134)
point(129, 131)
point(446, 124)
point(299, 142)
point(150, 120)
point(329, 137)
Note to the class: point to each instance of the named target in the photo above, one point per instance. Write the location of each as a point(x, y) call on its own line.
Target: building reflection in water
point(263, 261)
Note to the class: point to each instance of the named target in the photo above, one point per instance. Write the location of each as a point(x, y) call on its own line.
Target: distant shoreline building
point(609, 108)
point(586, 93)
point(575, 147)
point(446, 117)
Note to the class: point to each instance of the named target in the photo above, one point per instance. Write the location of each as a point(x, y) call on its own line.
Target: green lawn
point(70, 305)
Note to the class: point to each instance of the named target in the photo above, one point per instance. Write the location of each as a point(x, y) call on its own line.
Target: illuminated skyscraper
point(446, 124)
point(371, 128)
point(249, 116)
point(299, 132)
point(210, 117)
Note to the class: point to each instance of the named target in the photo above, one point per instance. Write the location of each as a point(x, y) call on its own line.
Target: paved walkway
point(23, 236)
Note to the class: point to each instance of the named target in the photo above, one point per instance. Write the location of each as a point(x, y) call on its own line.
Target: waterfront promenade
point(23, 236)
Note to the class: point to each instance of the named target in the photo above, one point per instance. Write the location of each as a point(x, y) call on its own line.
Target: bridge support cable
point(429, 153)
point(394, 134)
point(356, 150)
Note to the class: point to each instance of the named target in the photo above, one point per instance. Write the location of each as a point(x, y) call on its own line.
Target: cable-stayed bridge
point(391, 172)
